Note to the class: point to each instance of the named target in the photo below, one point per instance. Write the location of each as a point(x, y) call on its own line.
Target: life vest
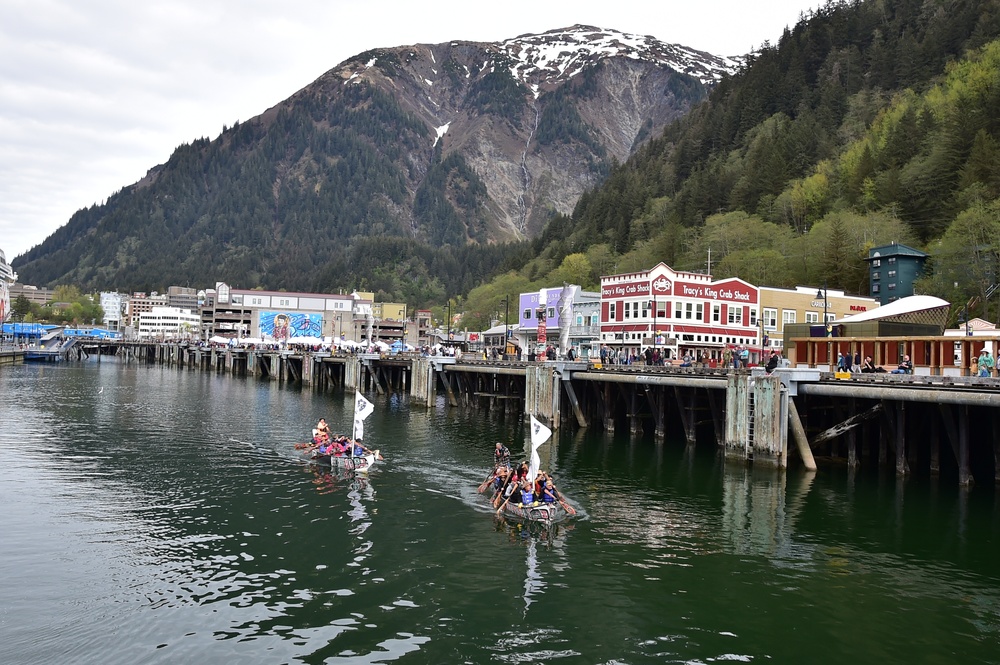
point(527, 498)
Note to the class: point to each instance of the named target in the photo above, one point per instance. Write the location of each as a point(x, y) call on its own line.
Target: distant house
point(892, 269)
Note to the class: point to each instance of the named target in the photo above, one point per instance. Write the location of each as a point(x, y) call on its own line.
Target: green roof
point(895, 249)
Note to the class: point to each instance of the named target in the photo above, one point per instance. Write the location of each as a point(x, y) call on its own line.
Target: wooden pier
point(926, 424)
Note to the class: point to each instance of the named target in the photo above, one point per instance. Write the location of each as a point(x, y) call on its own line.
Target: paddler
point(501, 456)
point(549, 492)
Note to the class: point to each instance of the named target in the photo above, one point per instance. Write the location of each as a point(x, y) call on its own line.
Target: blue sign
point(281, 326)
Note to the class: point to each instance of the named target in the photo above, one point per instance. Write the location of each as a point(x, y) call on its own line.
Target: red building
point(690, 312)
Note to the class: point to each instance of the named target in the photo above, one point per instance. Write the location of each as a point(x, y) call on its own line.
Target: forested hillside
point(868, 122)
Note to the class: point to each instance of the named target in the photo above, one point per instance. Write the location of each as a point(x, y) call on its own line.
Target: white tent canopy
point(305, 339)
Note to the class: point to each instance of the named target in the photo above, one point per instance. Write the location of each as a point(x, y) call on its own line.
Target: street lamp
point(447, 334)
point(760, 339)
point(653, 301)
point(506, 326)
point(826, 326)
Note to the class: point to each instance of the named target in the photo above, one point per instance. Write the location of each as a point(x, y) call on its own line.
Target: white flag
point(539, 435)
point(362, 407)
point(359, 429)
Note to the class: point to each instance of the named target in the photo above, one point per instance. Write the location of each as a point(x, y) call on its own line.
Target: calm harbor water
point(150, 515)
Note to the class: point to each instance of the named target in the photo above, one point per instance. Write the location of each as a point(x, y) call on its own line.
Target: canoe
point(546, 513)
point(362, 463)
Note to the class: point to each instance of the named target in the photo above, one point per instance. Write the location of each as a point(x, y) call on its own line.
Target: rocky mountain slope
point(439, 145)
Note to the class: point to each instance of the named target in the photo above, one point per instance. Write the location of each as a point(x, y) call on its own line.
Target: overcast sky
point(93, 93)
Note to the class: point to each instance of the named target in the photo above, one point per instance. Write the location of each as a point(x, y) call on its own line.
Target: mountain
point(402, 170)
point(868, 122)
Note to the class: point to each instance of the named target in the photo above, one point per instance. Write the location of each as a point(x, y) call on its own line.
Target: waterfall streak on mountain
point(526, 176)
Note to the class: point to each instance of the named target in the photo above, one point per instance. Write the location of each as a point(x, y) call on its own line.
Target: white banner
point(539, 435)
point(362, 407)
point(359, 429)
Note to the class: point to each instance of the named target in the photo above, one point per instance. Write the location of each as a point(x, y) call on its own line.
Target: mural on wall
point(281, 326)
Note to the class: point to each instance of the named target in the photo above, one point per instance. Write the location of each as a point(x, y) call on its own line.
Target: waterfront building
point(892, 270)
point(140, 304)
point(168, 323)
point(913, 326)
point(424, 320)
point(7, 279)
point(276, 316)
point(34, 294)
point(183, 297)
point(115, 306)
point(389, 323)
point(678, 313)
point(544, 315)
point(804, 304)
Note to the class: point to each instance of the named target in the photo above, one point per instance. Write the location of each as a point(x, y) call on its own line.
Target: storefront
point(678, 313)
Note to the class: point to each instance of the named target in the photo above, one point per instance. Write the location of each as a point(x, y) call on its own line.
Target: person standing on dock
point(985, 363)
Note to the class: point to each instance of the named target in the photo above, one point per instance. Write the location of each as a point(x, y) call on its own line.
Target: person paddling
point(501, 456)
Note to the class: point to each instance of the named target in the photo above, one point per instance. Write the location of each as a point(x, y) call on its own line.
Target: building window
point(876, 263)
point(688, 310)
point(579, 319)
point(892, 274)
point(699, 311)
point(735, 315)
point(526, 314)
point(753, 318)
point(678, 310)
point(787, 316)
point(770, 318)
point(551, 313)
point(812, 317)
point(593, 319)
point(875, 288)
point(716, 313)
point(892, 287)
point(875, 275)
point(612, 312)
point(645, 309)
point(628, 312)
point(892, 260)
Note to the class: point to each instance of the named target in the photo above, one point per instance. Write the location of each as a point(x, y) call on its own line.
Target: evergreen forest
point(869, 122)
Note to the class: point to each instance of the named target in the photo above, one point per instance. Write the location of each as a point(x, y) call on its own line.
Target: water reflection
point(177, 526)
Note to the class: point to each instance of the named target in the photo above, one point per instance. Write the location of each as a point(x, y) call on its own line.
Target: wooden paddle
point(499, 492)
point(568, 508)
point(486, 483)
point(505, 502)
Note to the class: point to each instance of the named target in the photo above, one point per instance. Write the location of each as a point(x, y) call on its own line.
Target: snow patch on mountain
point(558, 55)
